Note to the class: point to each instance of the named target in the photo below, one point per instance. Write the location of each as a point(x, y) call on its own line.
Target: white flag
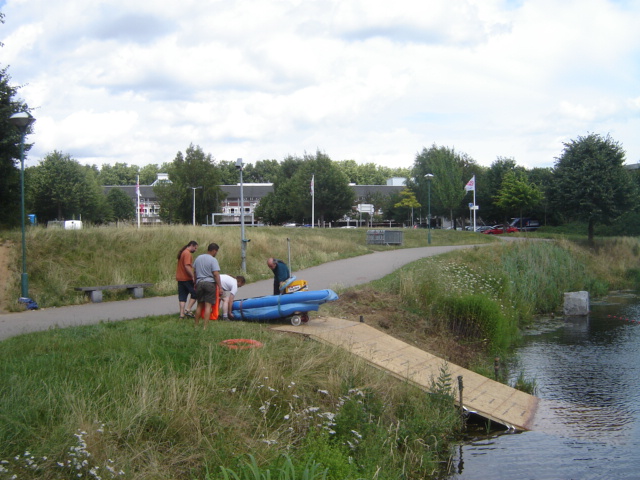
point(471, 184)
point(312, 179)
point(138, 186)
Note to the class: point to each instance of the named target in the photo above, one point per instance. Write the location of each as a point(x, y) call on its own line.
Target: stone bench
point(95, 293)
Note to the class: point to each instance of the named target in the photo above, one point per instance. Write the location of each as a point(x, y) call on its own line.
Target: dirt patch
point(384, 311)
point(6, 256)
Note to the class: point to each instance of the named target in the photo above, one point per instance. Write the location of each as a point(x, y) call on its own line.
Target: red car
point(500, 229)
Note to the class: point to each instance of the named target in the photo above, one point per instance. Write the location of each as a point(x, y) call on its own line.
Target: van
point(527, 224)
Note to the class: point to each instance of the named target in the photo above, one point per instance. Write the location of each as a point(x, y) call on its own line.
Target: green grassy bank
point(156, 398)
point(58, 260)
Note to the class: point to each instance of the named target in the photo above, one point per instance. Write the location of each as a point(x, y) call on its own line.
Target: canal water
point(587, 372)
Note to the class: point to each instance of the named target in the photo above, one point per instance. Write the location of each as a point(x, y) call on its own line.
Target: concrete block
point(576, 303)
point(137, 292)
point(96, 296)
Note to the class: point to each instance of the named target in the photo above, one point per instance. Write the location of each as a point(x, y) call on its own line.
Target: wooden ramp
point(488, 398)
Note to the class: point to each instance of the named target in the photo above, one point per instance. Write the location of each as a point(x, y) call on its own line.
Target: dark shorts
point(206, 292)
point(184, 289)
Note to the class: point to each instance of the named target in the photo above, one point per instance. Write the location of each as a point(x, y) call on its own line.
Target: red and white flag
point(471, 184)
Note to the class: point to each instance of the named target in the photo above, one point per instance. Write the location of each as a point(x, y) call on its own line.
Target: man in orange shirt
point(186, 277)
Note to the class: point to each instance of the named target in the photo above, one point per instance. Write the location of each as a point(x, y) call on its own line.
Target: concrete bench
point(95, 293)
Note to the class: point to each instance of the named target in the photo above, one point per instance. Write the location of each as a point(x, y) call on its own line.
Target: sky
point(137, 81)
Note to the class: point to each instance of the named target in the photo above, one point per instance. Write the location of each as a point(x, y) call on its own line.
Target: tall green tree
point(264, 171)
point(517, 193)
point(488, 184)
point(149, 174)
point(291, 199)
point(118, 174)
point(447, 185)
point(121, 205)
point(60, 188)
point(10, 139)
point(590, 182)
point(190, 170)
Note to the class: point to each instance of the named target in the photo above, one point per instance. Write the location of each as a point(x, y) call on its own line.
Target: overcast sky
point(136, 81)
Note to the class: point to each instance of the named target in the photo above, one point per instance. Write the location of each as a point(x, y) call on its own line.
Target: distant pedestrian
point(207, 282)
point(186, 277)
point(229, 287)
point(280, 273)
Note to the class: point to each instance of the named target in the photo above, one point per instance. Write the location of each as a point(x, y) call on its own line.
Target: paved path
point(341, 273)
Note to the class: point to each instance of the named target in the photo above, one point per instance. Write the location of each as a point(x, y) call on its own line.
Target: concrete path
point(341, 273)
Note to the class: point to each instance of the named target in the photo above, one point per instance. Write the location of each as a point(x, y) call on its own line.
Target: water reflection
point(587, 426)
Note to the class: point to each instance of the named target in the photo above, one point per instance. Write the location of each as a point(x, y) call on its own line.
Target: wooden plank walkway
point(488, 398)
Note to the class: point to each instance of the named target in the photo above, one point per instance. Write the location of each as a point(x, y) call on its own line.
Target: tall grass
point(487, 293)
point(58, 260)
point(155, 398)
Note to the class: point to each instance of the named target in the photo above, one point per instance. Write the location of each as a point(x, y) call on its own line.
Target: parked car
point(500, 229)
point(526, 225)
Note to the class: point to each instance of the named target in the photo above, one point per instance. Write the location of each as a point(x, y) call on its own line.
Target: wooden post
point(496, 367)
point(460, 388)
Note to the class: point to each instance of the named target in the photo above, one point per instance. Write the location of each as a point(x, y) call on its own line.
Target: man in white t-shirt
point(229, 286)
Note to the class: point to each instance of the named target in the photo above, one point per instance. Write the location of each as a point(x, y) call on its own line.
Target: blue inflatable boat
point(294, 306)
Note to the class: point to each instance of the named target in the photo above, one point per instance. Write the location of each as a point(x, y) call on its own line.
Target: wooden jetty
point(490, 399)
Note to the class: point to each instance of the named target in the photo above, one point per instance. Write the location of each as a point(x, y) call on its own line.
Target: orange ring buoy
point(241, 343)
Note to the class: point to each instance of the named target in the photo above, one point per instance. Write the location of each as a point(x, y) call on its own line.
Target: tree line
point(588, 183)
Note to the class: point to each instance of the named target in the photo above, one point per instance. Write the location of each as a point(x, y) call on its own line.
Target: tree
point(118, 174)
point(122, 207)
point(408, 202)
point(193, 169)
point(149, 174)
point(60, 188)
point(291, 197)
point(590, 182)
point(10, 139)
point(264, 171)
point(488, 184)
point(447, 186)
point(517, 193)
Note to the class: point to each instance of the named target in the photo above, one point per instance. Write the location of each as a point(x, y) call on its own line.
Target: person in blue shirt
point(280, 273)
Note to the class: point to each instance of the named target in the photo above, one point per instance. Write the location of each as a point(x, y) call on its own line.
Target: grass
point(58, 260)
point(154, 398)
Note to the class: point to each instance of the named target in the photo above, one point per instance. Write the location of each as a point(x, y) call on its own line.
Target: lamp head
point(22, 120)
point(239, 164)
point(428, 176)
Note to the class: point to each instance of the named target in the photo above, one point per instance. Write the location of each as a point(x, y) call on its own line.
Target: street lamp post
point(243, 241)
point(194, 204)
point(22, 120)
point(429, 177)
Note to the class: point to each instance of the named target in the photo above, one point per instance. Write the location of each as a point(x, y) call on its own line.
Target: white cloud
point(368, 80)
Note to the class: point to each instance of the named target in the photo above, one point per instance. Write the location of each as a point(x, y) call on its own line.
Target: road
point(340, 273)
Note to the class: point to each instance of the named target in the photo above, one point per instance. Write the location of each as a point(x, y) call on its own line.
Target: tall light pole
point(243, 241)
point(429, 177)
point(22, 120)
point(194, 203)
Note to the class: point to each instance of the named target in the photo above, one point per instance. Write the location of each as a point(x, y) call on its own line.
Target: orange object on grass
point(241, 343)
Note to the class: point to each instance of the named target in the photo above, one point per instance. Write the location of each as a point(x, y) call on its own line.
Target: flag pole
point(138, 195)
point(313, 202)
point(474, 203)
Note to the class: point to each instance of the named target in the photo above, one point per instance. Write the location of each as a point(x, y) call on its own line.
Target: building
point(231, 205)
